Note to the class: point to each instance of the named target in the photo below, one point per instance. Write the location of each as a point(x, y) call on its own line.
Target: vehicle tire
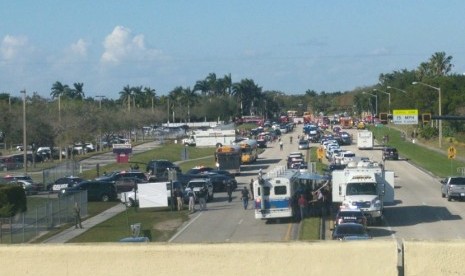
point(443, 195)
point(449, 198)
point(105, 198)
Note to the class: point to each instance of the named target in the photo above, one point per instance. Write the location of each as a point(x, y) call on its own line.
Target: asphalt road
point(419, 211)
point(229, 222)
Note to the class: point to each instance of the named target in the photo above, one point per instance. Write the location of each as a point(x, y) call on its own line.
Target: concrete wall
point(296, 258)
point(434, 257)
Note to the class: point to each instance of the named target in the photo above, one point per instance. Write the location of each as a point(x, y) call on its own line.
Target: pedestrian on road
point(202, 200)
point(229, 190)
point(251, 188)
point(303, 206)
point(245, 197)
point(281, 145)
point(191, 196)
point(178, 195)
point(77, 216)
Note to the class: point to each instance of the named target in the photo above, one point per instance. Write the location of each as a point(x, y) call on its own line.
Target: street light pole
point(24, 133)
point(440, 109)
point(100, 97)
point(400, 90)
point(389, 98)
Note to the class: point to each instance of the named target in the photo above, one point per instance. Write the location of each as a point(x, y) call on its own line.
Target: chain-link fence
point(25, 227)
point(66, 168)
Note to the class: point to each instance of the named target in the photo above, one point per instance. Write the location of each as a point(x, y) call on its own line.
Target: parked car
point(350, 216)
point(199, 183)
point(453, 187)
point(63, 183)
point(117, 178)
point(350, 231)
point(219, 181)
point(30, 187)
point(159, 168)
point(96, 190)
point(126, 184)
point(390, 153)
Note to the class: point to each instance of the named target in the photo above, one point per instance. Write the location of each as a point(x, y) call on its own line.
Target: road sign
point(320, 152)
point(405, 116)
point(451, 152)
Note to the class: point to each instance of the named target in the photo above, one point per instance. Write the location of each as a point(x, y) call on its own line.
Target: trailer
point(211, 137)
point(364, 185)
point(365, 139)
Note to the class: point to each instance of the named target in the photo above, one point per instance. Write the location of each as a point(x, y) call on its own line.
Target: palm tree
point(212, 84)
point(176, 96)
point(440, 64)
point(125, 96)
point(202, 86)
point(58, 89)
point(190, 97)
point(246, 92)
point(137, 95)
point(77, 92)
point(149, 96)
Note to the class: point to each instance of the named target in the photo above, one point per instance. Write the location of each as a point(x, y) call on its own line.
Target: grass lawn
point(158, 224)
point(310, 229)
point(435, 162)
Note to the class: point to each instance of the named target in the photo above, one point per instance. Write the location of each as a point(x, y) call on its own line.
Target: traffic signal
point(426, 117)
point(383, 117)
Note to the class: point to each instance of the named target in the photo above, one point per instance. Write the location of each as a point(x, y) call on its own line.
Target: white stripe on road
point(184, 228)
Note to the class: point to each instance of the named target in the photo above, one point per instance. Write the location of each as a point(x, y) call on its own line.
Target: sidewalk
point(88, 223)
point(71, 232)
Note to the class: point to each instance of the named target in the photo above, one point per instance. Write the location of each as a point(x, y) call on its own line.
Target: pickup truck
point(453, 187)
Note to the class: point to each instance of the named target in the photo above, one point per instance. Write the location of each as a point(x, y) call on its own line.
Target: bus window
point(280, 190)
point(265, 189)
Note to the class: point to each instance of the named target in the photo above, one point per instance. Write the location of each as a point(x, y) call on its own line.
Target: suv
point(199, 183)
point(453, 187)
point(158, 168)
point(390, 153)
point(63, 183)
point(96, 190)
point(354, 215)
point(120, 179)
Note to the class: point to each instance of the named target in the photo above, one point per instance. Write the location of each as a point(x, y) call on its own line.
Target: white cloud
point(80, 48)
point(12, 46)
point(121, 45)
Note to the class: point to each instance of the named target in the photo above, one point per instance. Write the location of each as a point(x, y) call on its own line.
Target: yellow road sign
point(320, 152)
point(451, 152)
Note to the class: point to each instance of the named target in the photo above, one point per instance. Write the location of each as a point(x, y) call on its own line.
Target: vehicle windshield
point(196, 184)
point(361, 189)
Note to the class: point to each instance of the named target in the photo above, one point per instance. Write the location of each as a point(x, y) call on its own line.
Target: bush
point(428, 132)
point(12, 200)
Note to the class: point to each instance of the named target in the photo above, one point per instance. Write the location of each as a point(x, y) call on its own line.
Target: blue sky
point(289, 46)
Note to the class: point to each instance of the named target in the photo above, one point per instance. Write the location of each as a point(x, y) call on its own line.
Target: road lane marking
point(184, 228)
point(240, 221)
point(287, 237)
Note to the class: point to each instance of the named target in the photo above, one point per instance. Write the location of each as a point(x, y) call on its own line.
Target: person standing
point(191, 196)
point(77, 216)
point(245, 197)
point(303, 206)
point(281, 145)
point(229, 190)
point(178, 195)
point(202, 200)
